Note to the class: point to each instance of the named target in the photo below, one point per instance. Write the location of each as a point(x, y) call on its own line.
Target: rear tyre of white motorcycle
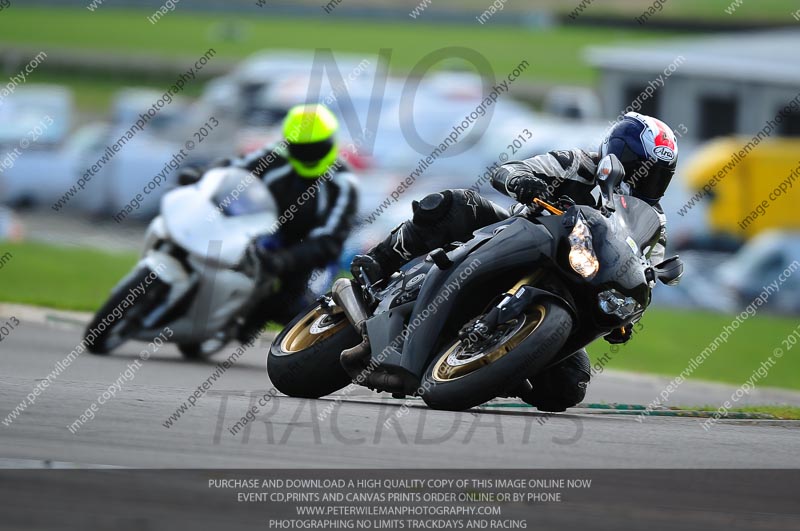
point(198, 351)
point(190, 351)
point(106, 340)
point(303, 360)
point(499, 367)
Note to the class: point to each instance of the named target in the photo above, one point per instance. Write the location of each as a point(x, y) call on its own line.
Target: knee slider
point(432, 207)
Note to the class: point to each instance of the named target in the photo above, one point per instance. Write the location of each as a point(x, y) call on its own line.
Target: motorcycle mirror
point(670, 271)
point(609, 175)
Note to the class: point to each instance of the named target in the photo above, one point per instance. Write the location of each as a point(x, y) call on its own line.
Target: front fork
point(512, 304)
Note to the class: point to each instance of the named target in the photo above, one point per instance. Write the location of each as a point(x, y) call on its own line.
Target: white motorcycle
point(191, 276)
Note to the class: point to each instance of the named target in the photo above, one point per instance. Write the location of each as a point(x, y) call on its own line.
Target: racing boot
point(560, 386)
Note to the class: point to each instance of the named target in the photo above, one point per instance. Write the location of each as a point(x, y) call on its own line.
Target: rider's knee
point(432, 209)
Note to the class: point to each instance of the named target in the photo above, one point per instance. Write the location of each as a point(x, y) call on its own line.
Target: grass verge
point(60, 277)
point(669, 339)
point(779, 412)
point(555, 54)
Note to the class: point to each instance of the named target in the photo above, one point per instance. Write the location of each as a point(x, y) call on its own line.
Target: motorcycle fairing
point(505, 245)
point(194, 219)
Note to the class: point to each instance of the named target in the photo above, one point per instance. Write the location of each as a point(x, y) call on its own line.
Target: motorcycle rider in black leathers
point(316, 196)
point(648, 151)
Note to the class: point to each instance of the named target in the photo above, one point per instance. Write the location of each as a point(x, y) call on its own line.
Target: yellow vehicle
point(749, 186)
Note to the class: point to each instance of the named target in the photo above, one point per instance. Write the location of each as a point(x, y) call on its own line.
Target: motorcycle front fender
point(171, 272)
point(168, 268)
point(157, 230)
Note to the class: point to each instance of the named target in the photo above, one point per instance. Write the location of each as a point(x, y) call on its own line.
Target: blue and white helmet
point(648, 150)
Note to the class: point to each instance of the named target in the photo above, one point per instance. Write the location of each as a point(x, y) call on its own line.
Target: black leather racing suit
point(316, 217)
point(453, 215)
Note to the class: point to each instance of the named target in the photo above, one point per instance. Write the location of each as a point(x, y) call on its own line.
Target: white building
point(715, 86)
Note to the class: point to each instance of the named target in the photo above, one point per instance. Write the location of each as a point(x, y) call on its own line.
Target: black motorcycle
point(480, 319)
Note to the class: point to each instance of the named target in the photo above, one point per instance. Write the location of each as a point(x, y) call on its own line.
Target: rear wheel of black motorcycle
point(113, 333)
point(303, 361)
point(459, 379)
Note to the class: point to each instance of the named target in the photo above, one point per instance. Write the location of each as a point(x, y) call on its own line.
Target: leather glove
point(276, 263)
point(526, 187)
point(364, 262)
point(620, 335)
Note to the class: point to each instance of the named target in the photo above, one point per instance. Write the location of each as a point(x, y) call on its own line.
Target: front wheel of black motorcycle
point(303, 360)
point(462, 376)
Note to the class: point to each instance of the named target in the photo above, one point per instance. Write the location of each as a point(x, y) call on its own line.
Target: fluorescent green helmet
point(310, 132)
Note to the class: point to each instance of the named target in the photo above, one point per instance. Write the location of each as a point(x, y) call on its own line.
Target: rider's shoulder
point(268, 157)
point(277, 151)
point(341, 166)
point(567, 159)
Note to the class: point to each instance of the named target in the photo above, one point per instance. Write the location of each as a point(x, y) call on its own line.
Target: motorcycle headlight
point(581, 254)
point(613, 302)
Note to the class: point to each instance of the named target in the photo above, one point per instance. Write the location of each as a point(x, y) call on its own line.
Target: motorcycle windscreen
point(640, 219)
point(242, 195)
point(224, 217)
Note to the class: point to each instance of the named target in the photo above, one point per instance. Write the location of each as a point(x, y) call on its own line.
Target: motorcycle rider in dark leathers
point(317, 197)
point(648, 151)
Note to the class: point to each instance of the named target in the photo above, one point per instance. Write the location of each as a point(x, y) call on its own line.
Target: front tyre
point(303, 360)
point(117, 331)
point(462, 376)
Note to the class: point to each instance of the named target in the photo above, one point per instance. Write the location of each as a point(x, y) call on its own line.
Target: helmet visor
point(310, 152)
point(653, 184)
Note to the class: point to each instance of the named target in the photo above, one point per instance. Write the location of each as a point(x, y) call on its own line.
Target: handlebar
point(547, 206)
point(367, 284)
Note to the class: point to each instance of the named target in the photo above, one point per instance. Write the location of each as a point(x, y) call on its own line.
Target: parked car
point(727, 282)
point(35, 122)
point(758, 263)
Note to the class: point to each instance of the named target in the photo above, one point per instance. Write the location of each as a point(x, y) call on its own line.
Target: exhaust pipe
point(354, 360)
point(344, 295)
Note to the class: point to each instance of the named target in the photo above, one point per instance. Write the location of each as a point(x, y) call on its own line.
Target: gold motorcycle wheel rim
point(316, 326)
point(449, 367)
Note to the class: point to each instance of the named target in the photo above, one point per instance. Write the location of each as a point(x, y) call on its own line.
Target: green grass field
point(669, 339)
point(694, 10)
point(555, 54)
point(65, 278)
point(78, 279)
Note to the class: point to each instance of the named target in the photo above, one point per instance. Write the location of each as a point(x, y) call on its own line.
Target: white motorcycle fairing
point(214, 238)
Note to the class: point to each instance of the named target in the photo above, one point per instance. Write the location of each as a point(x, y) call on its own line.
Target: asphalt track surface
point(129, 430)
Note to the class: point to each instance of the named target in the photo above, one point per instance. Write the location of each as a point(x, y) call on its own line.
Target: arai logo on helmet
point(664, 153)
